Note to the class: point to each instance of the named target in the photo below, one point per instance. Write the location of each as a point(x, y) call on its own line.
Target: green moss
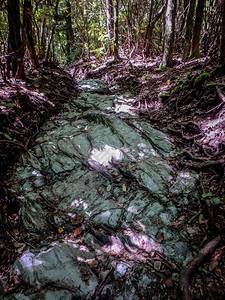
point(162, 67)
point(163, 95)
point(176, 89)
point(200, 79)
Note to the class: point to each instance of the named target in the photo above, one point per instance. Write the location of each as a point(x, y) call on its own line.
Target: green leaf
point(200, 218)
point(215, 200)
point(9, 104)
point(203, 270)
point(206, 195)
point(124, 188)
point(109, 187)
point(7, 136)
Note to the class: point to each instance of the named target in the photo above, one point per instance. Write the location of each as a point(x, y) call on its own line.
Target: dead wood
point(192, 266)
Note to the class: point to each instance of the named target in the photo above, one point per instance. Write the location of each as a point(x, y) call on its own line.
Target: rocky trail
point(104, 211)
point(100, 193)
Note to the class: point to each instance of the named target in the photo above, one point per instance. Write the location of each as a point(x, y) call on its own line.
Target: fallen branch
point(200, 166)
point(105, 281)
point(14, 143)
point(192, 266)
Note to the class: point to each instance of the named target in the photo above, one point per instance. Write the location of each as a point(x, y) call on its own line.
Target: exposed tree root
point(192, 266)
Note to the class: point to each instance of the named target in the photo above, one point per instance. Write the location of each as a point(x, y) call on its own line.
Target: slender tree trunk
point(69, 28)
point(183, 18)
point(222, 44)
point(110, 24)
point(53, 31)
point(195, 52)
point(43, 39)
point(28, 31)
point(116, 42)
point(169, 33)
point(15, 44)
point(149, 31)
point(189, 28)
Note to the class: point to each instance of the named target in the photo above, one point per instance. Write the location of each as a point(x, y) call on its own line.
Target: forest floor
point(187, 102)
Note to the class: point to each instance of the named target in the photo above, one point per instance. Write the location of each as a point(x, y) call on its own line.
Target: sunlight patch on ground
point(105, 156)
point(213, 130)
point(123, 105)
point(139, 246)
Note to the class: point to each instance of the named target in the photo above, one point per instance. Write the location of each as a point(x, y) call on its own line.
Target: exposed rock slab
point(99, 165)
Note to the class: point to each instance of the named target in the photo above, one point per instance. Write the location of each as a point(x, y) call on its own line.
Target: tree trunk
point(53, 31)
point(222, 44)
point(189, 29)
point(195, 52)
point(169, 33)
point(69, 28)
point(116, 42)
point(28, 31)
point(183, 18)
point(149, 31)
point(110, 24)
point(15, 44)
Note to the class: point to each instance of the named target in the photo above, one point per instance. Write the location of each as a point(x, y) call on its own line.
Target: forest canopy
point(63, 31)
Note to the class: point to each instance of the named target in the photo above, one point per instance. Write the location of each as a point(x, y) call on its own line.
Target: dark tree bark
point(195, 52)
point(116, 42)
point(15, 43)
point(149, 30)
point(28, 31)
point(222, 44)
point(184, 15)
point(53, 31)
point(189, 29)
point(110, 24)
point(169, 33)
point(69, 28)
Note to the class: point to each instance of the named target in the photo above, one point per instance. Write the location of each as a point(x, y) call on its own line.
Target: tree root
point(192, 266)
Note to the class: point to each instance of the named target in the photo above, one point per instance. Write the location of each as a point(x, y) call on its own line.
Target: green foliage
point(163, 68)
point(176, 89)
point(201, 79)
point(209, 196)
point(5, 135)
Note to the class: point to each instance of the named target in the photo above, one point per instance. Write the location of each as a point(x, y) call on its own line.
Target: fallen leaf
point(77, 220)
point(101, 190)
point(169, 283)
point(109, 187)
point(60, 229)
point(77, 231)
point(212, 265)
point(143, 245)
point(18, 244)
point(124, 188)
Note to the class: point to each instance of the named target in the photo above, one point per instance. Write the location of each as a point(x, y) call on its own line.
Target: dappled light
point(112, 142)
point(105, 156)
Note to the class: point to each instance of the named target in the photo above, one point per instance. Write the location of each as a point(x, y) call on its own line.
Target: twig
point(222, 98)
point(192, 266)
point(104, 282)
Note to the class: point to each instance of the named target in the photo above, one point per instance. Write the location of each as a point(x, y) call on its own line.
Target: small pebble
point(169, 283)
point(157, 265)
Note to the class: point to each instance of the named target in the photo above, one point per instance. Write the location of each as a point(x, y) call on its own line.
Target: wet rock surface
point(101, 179)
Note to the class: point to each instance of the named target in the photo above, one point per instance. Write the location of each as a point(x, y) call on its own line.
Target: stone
point(97, 142)
point(157, 265)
